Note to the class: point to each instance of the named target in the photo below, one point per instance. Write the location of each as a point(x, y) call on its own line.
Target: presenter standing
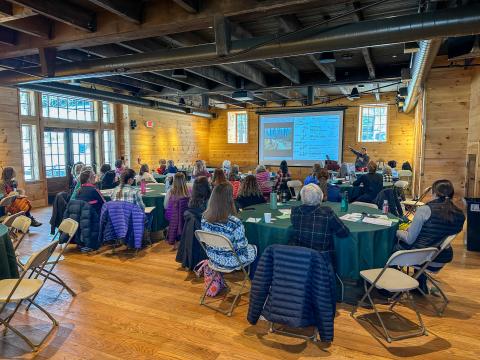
point(362, 159)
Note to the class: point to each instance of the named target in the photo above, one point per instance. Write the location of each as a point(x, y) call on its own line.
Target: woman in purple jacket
point(177, 202)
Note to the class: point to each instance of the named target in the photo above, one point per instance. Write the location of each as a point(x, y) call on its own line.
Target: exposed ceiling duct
point(422, 63)
point(424, 26)
point(75, 90)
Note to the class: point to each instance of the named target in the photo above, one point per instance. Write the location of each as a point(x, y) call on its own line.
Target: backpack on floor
point(210, 275)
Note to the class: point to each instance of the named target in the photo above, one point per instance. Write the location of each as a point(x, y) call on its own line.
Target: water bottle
point(284, 197)
point(385, 207)
point(143, 186)
point(344, 203)
point(273, 200)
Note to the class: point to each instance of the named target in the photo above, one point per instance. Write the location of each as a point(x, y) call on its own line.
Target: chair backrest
point(411, 257)
point(68, 226)
point(401, 184)
point(22, 223)
point(404, 173)
point(8, 200)
point(360, 203)
point(446, 243)
point(8, 220)
point(39, 258)
point(214, 240)
point(295, 184)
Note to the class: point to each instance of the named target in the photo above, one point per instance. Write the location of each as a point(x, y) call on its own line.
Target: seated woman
point(76, 171)
point(220, 218)
point(226, 167)
point(322, 178)
point(236, 183)
point(387, 174)
point(200, 170)
point(235, 173)
point(171, 168)
point(432, 223)
point(107, 177)
point(372, 184)
point(176, 202)
point(144, 174)
point(119, 168)
point(263, 181)
point(126, 191)
point(190, 253)
point(218, 177)
point(249, 193)
point(283, 177)
point(8, 184)
point(315, 225)
point(163, 167)
point(313, 177)
point(88, 192)
point(393, 166)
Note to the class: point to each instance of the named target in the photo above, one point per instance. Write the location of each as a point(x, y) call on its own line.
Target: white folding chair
point(19, 229)
point(296, 185)
point(68, 227)
point(360, 203)
point(18, 290)
point(208, 239)
point(8, 219)
point(396, 281)
point(6, 202)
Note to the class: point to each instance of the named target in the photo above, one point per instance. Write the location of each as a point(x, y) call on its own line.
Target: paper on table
point(351, 217)
point(377, 221)
point(253, 220)
point(286, 211)
point(283, 216)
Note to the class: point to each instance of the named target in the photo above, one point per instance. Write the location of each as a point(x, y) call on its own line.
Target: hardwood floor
point(146, 307)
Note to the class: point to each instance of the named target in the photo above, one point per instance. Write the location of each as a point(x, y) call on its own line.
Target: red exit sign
point(149, 124)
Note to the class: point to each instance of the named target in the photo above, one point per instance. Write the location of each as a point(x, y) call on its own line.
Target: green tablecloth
point(154, 197)
point(368, 245)
point(354, 191)
point(8, 264)
point(160, 178)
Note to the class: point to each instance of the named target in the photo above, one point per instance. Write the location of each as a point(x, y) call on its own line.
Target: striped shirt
point(129, 194)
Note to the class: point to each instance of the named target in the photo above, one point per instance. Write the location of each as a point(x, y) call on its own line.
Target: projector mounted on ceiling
point(242, 95)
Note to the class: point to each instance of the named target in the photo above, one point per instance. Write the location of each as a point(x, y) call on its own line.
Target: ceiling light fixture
point(327, 57)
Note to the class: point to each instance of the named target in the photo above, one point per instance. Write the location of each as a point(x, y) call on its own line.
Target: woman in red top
point(163, 166)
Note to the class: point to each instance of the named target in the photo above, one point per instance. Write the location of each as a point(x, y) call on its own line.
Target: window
point(237, 127)
point(67, 108)
point(54, 142)
point(26, 99)
point(82, 147)
point(107, 109)
point(373, 123)
point(29, 152)
point(109, 146)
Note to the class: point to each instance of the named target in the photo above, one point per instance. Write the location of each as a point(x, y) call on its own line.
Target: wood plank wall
point(181, 138)
point(473, 145)
point(399, 145)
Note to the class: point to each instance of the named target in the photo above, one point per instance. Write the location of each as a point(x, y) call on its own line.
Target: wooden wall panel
point(399, 145)
point(182, 138)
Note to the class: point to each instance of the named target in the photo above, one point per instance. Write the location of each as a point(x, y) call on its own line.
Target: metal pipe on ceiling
point(424, 26)
point(75, 90)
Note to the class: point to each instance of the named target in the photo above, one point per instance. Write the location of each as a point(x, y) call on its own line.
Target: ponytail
point(444, 191)
point(126, 175)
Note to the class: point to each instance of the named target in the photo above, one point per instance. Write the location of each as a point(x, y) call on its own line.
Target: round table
point(8, 263)
point(354, 191)
point(368, 246)
point(159, 178)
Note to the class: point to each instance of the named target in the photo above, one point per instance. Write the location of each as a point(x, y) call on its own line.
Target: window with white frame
point(26, 100)
point(82, 147)
point(109, 146)
point(107, 112)
point(373, 123)
point(55, 155)
point(67, 108)
point(237, 127)
point(29, 152)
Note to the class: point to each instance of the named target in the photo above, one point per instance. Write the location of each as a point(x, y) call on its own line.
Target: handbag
point(209, 275)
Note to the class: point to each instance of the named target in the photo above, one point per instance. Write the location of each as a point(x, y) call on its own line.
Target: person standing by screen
point(362, 159)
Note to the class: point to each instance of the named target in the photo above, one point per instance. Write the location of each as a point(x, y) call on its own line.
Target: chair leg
point(342, 286)
point(387, 335)
point(313, 337)
point(442, 294)
point(362, 300)
point(239, 293)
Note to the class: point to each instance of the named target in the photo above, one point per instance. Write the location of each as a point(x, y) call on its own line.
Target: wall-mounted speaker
point(133, 124)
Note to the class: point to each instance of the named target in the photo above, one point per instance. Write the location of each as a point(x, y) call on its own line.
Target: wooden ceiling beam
point(367, 56)
point(38, 26)
point(47, 61)
point(127, 9)
point(191, 6)
point(63, 11)
point(160, 19)
point(8, 36)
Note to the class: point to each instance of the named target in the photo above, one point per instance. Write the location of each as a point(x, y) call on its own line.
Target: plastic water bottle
point(284, 197)
point(385, 209)
point(143, 186)
point(273, 200)
point(344, 203)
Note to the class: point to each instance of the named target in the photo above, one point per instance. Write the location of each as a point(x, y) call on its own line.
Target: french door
point(62, 149)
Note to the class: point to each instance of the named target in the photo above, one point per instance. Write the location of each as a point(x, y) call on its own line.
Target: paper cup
point(268, 217)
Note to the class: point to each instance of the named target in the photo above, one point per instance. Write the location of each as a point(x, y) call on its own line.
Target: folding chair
point(360, 203)
point(411, 205)
point(221, 242)
point(6, 202)
point(68, 227)
point(296, 185)
point(19, 229)
point(432, 268)
point(8, 219)
point(396, 281)
point(18, 290)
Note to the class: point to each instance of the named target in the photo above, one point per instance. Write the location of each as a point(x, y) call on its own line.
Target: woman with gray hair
point(263, 180)
point(315, 225)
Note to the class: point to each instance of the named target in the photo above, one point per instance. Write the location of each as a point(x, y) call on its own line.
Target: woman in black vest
point(432, 223)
